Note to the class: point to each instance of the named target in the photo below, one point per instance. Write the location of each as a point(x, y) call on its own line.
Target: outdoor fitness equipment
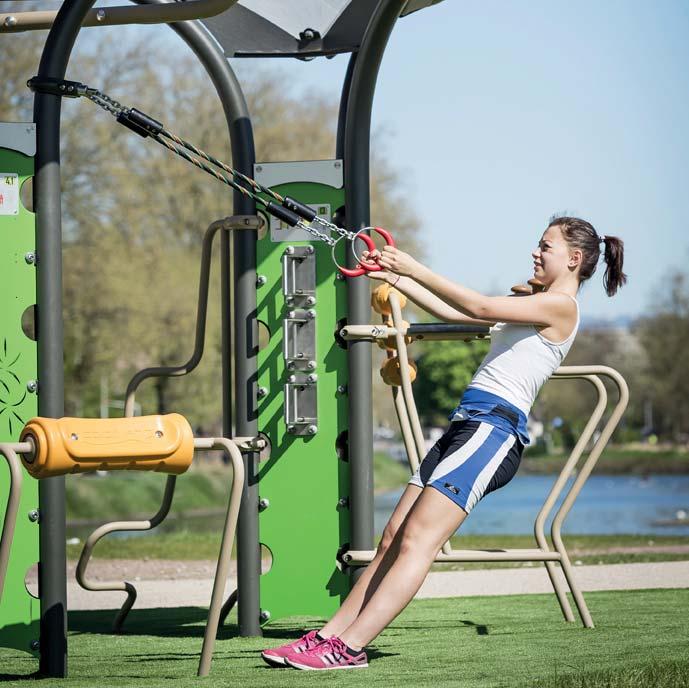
point(386, 302)
point(55, 447)
point(314, 412)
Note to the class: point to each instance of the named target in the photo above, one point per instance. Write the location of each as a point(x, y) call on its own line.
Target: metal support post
point(354, 137)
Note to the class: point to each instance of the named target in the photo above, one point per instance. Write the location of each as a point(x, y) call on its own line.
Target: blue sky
point(518, 110)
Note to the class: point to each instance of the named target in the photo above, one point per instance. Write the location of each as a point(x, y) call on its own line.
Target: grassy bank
point(617, 461)
point(641, 639)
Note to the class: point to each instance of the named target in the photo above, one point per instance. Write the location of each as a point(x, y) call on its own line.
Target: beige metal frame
point(14, 22)
point(10, 451)
point(413, 440)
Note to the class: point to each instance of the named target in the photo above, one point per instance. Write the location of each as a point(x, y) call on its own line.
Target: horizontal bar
point(427, 330)
point(366, 556)
point(417, 331)
point(245, 444)
point(14, 22)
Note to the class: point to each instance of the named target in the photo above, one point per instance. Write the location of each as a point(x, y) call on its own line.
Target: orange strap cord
point(76, 445)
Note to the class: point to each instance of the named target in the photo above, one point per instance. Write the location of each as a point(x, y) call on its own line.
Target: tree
point(664, 335)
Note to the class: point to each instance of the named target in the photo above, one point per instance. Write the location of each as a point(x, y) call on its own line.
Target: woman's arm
point(425, 299)
point(542, 309)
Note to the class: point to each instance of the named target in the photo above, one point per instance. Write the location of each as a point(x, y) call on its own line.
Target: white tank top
point(519, 362)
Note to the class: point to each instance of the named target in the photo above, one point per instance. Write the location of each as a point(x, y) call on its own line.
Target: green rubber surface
point(303, 478)
point(19, 611)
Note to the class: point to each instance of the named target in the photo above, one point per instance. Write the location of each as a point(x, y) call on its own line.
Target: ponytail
point(614, 277)
point(581, 234)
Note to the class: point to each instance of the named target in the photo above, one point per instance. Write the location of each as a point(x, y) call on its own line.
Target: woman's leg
point(375, 571)
point(433, 519)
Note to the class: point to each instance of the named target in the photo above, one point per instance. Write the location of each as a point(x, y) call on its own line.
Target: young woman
point(481, 450)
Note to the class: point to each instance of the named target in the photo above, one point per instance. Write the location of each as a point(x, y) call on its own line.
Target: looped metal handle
point(364, 266)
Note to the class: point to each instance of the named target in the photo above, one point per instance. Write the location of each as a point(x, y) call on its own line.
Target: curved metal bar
point(200, 331)
point(10, 451)
point(582, 477)
point(15, 22)
point(118, 526)
point(561, 481)
point(228, 606)
point(223, 567)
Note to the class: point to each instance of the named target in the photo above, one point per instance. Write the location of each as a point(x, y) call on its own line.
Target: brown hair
point(581, 234)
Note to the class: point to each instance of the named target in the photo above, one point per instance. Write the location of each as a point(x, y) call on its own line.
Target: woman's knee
point(414, 540)
point(388, 536)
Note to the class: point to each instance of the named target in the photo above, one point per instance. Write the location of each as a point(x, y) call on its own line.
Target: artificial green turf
point(641, 639)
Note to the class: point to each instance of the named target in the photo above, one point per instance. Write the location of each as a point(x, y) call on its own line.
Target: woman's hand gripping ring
point(364, 266)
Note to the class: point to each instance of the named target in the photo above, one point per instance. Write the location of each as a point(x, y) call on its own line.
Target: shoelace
point(308, 642)
point(334, 645)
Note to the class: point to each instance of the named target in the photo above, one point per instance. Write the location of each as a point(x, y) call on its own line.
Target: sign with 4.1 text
point(9, 193)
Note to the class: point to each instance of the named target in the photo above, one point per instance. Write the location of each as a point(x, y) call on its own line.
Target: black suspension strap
point(289, 210)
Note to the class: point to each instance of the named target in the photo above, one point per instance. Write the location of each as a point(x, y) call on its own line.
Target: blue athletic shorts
point(470, 460)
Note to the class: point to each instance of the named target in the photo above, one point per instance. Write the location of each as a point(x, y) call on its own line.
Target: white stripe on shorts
point(486, 475)
point(463, 453)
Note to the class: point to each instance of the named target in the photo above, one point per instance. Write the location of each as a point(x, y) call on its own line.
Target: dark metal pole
point(52, 578)
point(342, 113)
point(246, 417)
point(245, 327)
point(356, 153)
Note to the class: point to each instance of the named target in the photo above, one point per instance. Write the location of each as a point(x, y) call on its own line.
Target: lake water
point(606, 505)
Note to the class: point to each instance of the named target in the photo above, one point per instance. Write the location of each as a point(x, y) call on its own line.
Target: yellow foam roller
point(380, 299)
point(77, 445)
point(390, 372)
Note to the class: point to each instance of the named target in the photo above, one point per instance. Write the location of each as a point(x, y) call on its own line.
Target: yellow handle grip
point(77, 445)
point(380, 299)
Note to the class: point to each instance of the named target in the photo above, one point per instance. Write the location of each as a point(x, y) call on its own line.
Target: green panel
point(19, 611)
point(303, 479)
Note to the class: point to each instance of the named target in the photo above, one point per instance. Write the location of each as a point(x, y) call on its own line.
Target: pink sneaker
point(328, 654)
point(276, 656)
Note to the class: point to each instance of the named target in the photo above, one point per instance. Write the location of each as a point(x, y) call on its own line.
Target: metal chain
point(104, 101)
point(321, 236)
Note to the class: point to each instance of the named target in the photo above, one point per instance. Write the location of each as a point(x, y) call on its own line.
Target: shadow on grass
point(180, 622)
point(187, 622)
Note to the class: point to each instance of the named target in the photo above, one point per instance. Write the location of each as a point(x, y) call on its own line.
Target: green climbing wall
point(19, 611)
point(304, 480)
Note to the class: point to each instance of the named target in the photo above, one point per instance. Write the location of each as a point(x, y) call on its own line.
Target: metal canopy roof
point(306, 28)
